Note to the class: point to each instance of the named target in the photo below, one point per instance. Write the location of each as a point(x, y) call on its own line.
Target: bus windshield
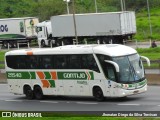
point(131, 68)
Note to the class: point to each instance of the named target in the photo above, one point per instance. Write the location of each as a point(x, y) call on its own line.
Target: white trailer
point(16, 30)
point(110, 27)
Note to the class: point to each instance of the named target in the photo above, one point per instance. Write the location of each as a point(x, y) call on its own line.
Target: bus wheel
point(28, 92)
point(5, 44)
point(38, 93)
point(43, 43)
point(15, 44)
point(98, 94)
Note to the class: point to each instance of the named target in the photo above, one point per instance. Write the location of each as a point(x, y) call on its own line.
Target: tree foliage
point(44, 9)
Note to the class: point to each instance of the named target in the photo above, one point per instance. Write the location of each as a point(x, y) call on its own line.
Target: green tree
point(16, 8)
point(44, 9)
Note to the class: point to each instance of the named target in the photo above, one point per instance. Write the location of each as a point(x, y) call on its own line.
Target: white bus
point(76, 70)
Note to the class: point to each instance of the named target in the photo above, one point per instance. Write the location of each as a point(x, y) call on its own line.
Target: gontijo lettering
point(74, 75)
point(3, 28)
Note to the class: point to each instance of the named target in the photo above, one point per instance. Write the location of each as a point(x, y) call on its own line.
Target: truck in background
point(17, 30)
point(110, 27)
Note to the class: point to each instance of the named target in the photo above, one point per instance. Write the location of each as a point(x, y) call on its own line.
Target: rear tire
point(38, 93)
point(29, 93)
point(98, 94)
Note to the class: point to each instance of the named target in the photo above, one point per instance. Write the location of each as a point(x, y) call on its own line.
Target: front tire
point(98, 94)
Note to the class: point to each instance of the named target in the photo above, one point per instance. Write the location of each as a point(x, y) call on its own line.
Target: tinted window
point(45, 62)
point(74, 62)
point(88, 62)
point(108, 69)
point(52, 62)
point(60, 62)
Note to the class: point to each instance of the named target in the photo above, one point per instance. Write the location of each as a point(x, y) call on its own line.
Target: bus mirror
point(113, 63)
point(148, 61)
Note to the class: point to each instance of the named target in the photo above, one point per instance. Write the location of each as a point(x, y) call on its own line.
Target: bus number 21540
point(14, 75)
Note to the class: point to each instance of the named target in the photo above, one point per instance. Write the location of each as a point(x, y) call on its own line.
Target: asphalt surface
point(148, 101)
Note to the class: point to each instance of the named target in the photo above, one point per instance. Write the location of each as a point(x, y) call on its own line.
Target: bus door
point(113, 89)
point(111, 79)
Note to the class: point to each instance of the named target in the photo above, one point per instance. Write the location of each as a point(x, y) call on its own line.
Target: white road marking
point(89, 103)
point(129, 104)
point(48, 102)
point(13, 100)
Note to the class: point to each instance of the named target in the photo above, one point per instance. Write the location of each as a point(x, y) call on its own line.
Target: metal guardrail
point(153, 61)
point(18, 45)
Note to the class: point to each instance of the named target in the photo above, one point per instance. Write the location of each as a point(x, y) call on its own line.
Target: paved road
point(148, 101)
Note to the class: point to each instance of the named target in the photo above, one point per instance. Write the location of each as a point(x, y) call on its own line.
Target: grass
point(1, 66)
point(2, 53)
point(143, 26)
point(152, 54)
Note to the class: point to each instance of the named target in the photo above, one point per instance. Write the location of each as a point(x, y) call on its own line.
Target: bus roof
point(107, 49)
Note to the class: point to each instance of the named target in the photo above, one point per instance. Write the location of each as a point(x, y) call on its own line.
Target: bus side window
point(88, 62)
point(46, 62)
point(74, 62)
point(32, 62)
point(12, 62)
point(108, 69)
point(60, 62)
point(21, 64)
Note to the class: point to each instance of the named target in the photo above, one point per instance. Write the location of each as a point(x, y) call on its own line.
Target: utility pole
point(74, 20)
point(122, 7)
point(149, 18)
point(95, 1)
point(67, 1)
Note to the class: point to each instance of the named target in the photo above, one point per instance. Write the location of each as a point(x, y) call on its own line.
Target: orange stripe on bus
point(41, 75)
point(54, 75)
point(30, 53)
point(45, 83)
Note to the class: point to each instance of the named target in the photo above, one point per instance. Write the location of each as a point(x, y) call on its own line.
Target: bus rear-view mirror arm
point(147, 59)
point(113, 63)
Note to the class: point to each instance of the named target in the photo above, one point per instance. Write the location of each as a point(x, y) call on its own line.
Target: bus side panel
point(82, 88)
point(99, 81)
point(69, 87)
point(12, 84)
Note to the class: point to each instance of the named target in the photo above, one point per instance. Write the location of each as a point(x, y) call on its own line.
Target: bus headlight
point(125, 86)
